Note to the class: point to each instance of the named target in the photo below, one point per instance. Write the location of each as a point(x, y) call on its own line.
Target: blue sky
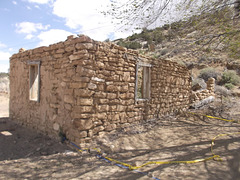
point(33, 23)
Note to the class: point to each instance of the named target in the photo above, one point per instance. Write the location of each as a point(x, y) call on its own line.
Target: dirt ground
point(25, 154)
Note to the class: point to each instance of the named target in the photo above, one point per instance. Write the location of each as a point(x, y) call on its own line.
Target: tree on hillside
point(144, 13)
point(221, 15)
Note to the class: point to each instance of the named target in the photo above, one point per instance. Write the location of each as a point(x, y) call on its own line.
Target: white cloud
point(4, 61)
point(2, 45)
point(29, 36)
point(4, 56)
point(29, 27)
point(4, 67)
point(85, 18)
point(14, 2)
point(28, 7)
point(39, 1)
point(52, 36)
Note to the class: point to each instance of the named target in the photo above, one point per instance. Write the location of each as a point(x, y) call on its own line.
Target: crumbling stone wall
point(87, 87)
point(205, 93)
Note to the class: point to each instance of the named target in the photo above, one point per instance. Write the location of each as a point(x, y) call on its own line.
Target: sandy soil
point(28, 155)
point(4, 105)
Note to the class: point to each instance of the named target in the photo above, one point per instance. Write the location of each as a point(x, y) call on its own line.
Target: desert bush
point(158, 37)
point(130, 45)
point(164, 52)
point(229, 86)
point(166, 26)
point(134, 37)
point(134, 45)
point(207, 73)
point(230, 77)
point(145, 46)
point(221, 90)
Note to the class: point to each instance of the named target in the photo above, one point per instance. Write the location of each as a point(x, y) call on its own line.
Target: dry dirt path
point(29, 155)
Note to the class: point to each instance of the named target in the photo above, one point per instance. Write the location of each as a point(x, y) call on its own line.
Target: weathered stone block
point(68, 107)
point(121, 108)
point(85, 101)
point(111, 96)
point(92, 86)
point(74, 57)
point(126, 76)
point(83, 134)
point(110, 127)
point(83, 124)
point(78, 85)
point(103, 101)
point(112, 88)
point(101, 116)
point(83, 92)
point(79, 78)
point(70, 48)
point(82, 109)
point(88, 46)
point(98, 129)
point(60, 51)
point(124, 88)
point(83, 38)
point(56, 126)
point(103, 108)
point(68, 99)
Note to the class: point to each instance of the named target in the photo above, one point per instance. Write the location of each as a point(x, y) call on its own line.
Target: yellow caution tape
point(212, 117)
point(213, 157)
point(219, 135)
point(84, 149)
point(162, 162)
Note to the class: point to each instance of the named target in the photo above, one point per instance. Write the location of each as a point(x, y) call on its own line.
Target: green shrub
point(134, 45)
point(130, 45)
point(164, 52)
point(207, 73)
point(230, 77)
point(158, 37)
point(229, 85)
point(134, 37)
point(166, 26)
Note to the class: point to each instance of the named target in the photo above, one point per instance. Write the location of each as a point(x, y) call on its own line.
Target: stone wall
point(205, 93)
point(87, 87)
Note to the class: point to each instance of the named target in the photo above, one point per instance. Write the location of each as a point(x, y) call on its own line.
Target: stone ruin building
point(82, 87)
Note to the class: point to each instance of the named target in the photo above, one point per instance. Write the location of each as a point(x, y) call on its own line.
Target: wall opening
point(143, 82)
point(34, 81)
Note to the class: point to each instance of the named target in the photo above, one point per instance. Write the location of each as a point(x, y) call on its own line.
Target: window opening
point(34, 81)
point(143, 84)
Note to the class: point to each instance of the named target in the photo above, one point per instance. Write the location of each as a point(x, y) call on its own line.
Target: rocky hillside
point(207, 40)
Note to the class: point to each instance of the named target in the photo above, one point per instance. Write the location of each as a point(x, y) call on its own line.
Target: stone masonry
point(203, 94)
point(87, 87)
